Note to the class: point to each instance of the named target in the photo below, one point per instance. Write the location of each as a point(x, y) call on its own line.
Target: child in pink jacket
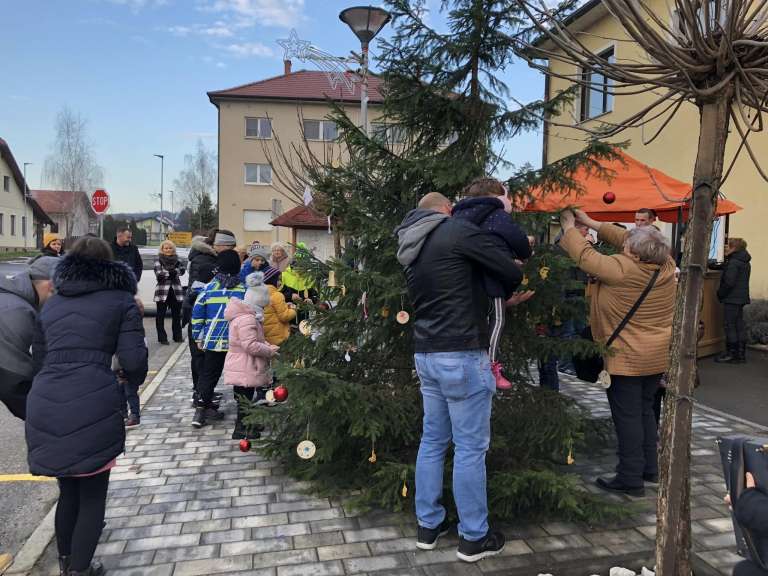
point(247, 366)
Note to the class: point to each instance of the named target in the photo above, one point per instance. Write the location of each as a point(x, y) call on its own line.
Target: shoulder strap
point(632, 310)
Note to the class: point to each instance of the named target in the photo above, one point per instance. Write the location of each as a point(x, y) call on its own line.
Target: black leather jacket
point(445, 283)
point(734, 283)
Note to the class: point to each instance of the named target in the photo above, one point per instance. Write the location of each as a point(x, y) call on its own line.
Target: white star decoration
point(295, 47)
point(335, 68)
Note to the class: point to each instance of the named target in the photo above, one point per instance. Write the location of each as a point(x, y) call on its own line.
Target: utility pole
point(26, 204)
point(162, 222)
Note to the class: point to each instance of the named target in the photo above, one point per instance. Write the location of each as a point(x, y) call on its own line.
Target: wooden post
point(673, 533)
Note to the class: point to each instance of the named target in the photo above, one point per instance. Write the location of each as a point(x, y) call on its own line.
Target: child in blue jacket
point(211, 330)
point(487, 204)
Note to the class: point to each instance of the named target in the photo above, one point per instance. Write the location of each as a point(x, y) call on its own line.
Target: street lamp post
point(162, 224)
point(26, 204)
point(365, 22)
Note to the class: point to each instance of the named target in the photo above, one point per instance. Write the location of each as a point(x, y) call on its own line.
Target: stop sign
point(100, 201)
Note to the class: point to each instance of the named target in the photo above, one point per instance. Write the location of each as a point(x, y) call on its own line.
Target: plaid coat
point(165, 283)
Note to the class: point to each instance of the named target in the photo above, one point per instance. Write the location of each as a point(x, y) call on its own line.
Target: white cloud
point(136, 5)
point(218, 29)
point(247, 13)
point(181, 31)
point(249, 49)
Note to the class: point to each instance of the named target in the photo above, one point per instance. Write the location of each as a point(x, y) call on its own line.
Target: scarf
point(282, 265)
point(168, 262)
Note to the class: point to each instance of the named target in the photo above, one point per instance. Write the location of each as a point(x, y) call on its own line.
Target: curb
point(38, 541)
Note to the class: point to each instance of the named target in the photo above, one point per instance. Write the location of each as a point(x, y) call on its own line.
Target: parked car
point(148, 281)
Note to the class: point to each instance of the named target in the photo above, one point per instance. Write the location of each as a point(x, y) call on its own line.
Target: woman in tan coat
point(640, 354)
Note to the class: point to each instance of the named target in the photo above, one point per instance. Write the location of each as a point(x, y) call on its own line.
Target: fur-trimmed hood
point(199, 245)
point(76, 275)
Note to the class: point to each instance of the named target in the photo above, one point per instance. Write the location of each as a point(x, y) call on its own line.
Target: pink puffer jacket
point(247, 362)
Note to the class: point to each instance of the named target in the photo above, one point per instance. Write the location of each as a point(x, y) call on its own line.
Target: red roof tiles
point(300, 85)
point(57, 201)
point(301, 217)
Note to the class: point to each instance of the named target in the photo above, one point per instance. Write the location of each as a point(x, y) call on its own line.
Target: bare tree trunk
point(673, 539)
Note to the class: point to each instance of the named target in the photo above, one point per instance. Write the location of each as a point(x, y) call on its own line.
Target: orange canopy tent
point(635, 186)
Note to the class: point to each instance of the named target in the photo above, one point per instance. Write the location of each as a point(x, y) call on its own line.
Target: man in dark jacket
point(126, 251)
point(733, 292)
point(21, 352)
point(445, 261)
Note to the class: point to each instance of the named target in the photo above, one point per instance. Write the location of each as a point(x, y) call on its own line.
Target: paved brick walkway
point(186, 502)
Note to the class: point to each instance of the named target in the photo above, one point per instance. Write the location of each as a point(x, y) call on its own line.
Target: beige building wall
point(12, 213)
point(246, 209)
point(674, 152)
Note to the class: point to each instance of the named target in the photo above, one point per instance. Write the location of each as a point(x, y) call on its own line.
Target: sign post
point(100, 205)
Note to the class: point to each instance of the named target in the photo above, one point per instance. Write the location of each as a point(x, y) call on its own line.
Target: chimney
point(287, 66)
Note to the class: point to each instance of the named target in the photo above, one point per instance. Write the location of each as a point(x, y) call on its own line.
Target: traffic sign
point(100, 201)
point(180, 238)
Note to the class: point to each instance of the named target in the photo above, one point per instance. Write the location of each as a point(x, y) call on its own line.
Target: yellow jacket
point(277, 318)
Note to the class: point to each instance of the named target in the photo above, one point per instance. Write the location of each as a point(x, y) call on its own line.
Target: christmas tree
point(353, 390)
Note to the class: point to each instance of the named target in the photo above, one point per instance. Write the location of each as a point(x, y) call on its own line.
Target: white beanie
point(257, 294)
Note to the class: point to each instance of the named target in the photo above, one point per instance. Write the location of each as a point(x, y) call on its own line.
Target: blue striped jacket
point(209, 327)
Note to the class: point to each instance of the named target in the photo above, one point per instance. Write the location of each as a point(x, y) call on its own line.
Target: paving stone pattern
point(187, 502)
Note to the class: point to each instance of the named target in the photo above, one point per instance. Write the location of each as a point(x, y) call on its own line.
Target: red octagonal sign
point(100, 201)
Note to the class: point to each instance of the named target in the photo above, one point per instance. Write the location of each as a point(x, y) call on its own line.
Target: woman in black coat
point(733, 292)
point(74, 424)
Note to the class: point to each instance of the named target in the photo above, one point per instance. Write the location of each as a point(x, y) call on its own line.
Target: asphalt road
point(23, 504)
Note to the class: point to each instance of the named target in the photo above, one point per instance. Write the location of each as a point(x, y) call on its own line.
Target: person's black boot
point(740, 356)
point(63, 565)
point(95, 569)
point(617, 486)
point(239, 432)
point(198, 420)
point(728, 356)
point(490, 545)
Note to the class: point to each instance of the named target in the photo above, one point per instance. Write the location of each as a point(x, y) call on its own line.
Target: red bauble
point(245, 445)
point(281, 393)
point(609, 197)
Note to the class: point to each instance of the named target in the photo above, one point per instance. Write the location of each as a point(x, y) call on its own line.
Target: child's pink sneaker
point(501, 382)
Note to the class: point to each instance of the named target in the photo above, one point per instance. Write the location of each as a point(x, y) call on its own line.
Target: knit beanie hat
point(224, 239)
point(42, 268)
point(49, 237)
point(271, 276)
point(257, 295)
point(228, 262)
point(259, 250)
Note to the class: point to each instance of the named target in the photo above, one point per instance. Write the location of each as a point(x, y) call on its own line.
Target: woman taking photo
point(52, 245)
point(74, 424)
point(168, 292)
point(642, 272)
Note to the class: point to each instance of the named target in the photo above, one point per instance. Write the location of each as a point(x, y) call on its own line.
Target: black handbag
point(588, 367)
point(740, 455)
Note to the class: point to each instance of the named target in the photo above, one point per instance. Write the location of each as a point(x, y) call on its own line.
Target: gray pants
point(735, 329)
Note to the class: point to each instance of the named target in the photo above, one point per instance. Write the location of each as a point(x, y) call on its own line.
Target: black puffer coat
point(202, 263)
point(74, 420)
point(734, 283)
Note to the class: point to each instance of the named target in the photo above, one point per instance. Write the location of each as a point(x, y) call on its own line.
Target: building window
point(2, 224)
point(260, 128)
point(257, 220)
point(24, 226)
point(388, 133)
point(13, 225)
point(323, 130)
point(596, 98)
point(6, 183)
point(258, 174)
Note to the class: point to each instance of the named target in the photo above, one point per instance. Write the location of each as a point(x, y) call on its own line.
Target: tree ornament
point(347, 357)
point(299, 364)
point(306, 449)
point(245, 445)
point(305, 328)
point(364, 304)
point(343, 290)
point(544, 272)
point(570, 460)
point(269, 396)
point(609, 197)
point(403, 317)
point(404, 490)
point(385, 312)
point(331, 279)
point(524, 281)
point(280, 393)
point(372, 457)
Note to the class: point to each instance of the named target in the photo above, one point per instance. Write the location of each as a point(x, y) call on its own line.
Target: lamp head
point(365, 21)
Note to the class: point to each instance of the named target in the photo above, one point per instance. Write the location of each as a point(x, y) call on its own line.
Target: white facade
point(13, 219)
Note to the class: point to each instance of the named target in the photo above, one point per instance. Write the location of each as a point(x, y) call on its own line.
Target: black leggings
point(80, 517)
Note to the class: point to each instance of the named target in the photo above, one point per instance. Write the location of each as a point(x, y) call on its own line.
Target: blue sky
point(139, 70)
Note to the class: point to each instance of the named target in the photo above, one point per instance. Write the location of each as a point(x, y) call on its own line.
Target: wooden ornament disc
point(270, 396)
point(403, 317)
point(305, 328)
point(306, 449)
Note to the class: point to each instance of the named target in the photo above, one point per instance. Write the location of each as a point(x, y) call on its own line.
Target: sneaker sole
point(197, 424)
point(427, 546)
point(480, 556)
point(132, 426)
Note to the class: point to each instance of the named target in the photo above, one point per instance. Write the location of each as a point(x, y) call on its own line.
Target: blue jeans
point(457, 388)
point(131, 395)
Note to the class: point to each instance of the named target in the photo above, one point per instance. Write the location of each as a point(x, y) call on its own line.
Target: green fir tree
point(352, 385)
